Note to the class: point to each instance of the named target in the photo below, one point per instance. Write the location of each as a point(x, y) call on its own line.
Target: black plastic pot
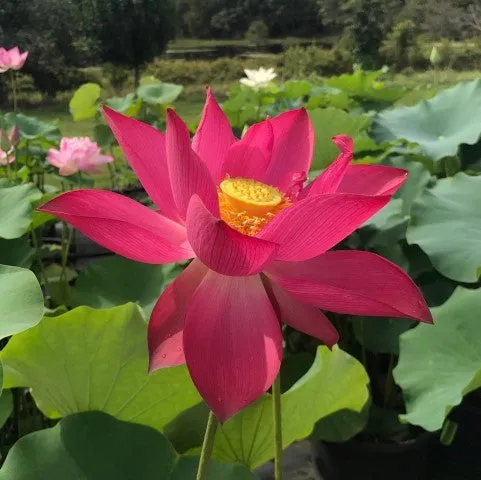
point(357, 459)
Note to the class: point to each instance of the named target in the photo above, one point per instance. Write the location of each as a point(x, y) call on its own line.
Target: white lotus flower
point(258, 78)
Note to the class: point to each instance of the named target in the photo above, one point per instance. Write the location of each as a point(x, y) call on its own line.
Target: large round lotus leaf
point(16, 252)
point(159, 93)
point(88, 359)
point(335, 382)
point(441, 363)
point(32, 128)
point(96, 446)
point(116, 280)
point(21, 300)
point(84, 103)
point(439, 125)
point(446, 224)
point(16, 212)
point(327, 123)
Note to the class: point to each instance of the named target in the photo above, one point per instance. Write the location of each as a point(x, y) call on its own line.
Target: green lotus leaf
point(84, 103)
point(88, 359)
point(446, 224)
point(441, 363)
point(96, 446)
point(439, 125)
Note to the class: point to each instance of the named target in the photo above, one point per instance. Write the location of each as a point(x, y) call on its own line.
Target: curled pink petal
point(352, 282)
point(372, 180)
point(213, 137)
point(250, 157)
point(330, 179)
point(232, 342)
point(314, 225)
point(304, 317)
point(188, 174)
point(122, 225)
point(144, 147)
point(223, 249)
point(293, 147)
point(166, 325)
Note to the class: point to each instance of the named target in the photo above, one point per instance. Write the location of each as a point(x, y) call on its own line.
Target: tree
point(129, 32)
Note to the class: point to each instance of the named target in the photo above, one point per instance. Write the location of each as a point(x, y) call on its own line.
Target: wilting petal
point(144, 147)
point(330, 179)
point(223, 249)
point(293, 147)
point(317, 223)
point(372, 180)
point(122, 225)
point(232, 342)
point(250, 156)
point(166, 325)
point(352, 282)
point(304, 317)
point(188, 174)
point(213, 137)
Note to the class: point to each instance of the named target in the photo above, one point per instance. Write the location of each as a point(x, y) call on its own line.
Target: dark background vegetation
point(67, 37)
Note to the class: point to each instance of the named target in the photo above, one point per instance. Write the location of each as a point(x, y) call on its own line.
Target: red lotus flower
point(259, 240)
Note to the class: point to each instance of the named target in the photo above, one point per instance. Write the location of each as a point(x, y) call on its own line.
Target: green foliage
point(301, 62)
point(96, 446)
point(21, 300)
point(257, 32)
point(247, 438)
point(441, 363)
point(327, 123)
point(129, 33)
point(159, 93)
point(440, 125)
point(106, 371)
point(446, 224)
point(116, 280)
point(84, 103)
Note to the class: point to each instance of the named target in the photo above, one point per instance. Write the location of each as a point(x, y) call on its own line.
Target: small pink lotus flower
point(8, 155)
point(11, 59)
point(259, 240)
point(77, 154)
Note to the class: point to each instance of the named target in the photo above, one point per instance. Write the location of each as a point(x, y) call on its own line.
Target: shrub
point(258, 32)
point(400, 49)
point(300, 62)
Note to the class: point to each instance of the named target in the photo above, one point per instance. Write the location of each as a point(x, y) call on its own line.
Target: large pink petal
point(232, 342)
point(188, 174)
point(352, 282)
point(223, 249)
point(317, 223)
point(213, 137)
point(250, 157)
point(293, 147)
point(122, 225)
point(304, 317)
point(372, 180)
point(166, 325)
point(330, 179)
point(144, 147)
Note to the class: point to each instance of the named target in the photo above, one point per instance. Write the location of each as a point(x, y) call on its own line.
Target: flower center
point(248, 205)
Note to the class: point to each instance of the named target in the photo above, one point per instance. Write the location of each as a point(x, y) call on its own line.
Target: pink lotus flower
point(8, 155)
point(11, 59)
point(260, 243)
point(78, 153)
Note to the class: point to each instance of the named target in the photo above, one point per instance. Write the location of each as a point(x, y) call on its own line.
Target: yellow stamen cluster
point(248, 205)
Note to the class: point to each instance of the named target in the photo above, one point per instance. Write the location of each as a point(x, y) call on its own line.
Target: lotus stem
point(277, 416)
point(14, 90)
point(207, 447)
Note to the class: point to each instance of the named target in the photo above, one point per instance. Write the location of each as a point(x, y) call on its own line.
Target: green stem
point(39, 261)
point(65, 251)
point(14, 90)
point(207, 447)
point(276, 411)
point(111, 175)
